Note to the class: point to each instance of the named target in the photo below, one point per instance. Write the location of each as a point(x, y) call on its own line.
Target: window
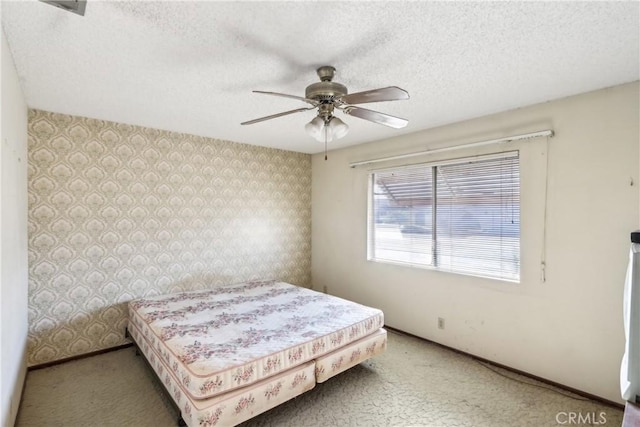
point(461, 216)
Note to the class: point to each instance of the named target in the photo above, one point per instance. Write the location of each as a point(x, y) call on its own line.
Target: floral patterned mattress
point(236, 406)
point(234, 335)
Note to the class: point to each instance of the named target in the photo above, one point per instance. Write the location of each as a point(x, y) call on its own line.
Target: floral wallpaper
point(118, 212)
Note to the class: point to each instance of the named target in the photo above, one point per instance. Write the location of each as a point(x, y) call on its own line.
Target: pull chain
point(325, 142)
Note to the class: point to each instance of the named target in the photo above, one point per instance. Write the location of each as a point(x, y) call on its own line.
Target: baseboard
point(80, 356)
point(517, 371)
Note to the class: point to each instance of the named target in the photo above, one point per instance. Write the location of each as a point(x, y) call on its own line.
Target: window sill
point(432, 268)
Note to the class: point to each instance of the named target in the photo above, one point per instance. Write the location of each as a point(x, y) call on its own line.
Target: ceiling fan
point(326, 96)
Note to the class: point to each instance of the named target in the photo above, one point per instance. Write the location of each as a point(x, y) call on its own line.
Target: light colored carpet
point(414, 383)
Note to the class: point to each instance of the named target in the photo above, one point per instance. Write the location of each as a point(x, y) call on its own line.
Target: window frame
point(371, 212)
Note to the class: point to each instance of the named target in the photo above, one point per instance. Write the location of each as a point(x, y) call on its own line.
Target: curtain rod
point(538, 134)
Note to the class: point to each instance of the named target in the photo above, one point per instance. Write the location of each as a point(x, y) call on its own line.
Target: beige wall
point(118, 212)
point(13, 239)
point(568, 328)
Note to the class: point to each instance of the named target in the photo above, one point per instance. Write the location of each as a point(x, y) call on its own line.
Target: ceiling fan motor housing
point(325, 90)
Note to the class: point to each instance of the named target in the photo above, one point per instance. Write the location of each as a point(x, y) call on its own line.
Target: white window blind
point(474, 205)
point(402, 208)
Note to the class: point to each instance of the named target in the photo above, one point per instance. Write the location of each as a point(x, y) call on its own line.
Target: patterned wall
point(118, 212)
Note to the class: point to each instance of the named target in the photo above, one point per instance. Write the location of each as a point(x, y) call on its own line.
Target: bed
point(227, 354)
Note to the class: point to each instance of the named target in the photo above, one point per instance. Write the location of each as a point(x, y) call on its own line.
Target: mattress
point(236, 406)
point(346, 357)
point(231, 336)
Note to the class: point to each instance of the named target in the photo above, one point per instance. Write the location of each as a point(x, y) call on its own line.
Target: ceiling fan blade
point(284, 95)
point(273, 116)
point(376, 117)
point(391, 93)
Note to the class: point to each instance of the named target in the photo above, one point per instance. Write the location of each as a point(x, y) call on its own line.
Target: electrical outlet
point(440, 323)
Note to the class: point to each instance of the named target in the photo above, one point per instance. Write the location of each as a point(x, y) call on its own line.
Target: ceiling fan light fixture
point(338, 128)
point(327, 131)
point(315, 128)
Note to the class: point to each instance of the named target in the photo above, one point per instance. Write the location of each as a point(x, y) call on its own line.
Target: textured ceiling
point(191, 66)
